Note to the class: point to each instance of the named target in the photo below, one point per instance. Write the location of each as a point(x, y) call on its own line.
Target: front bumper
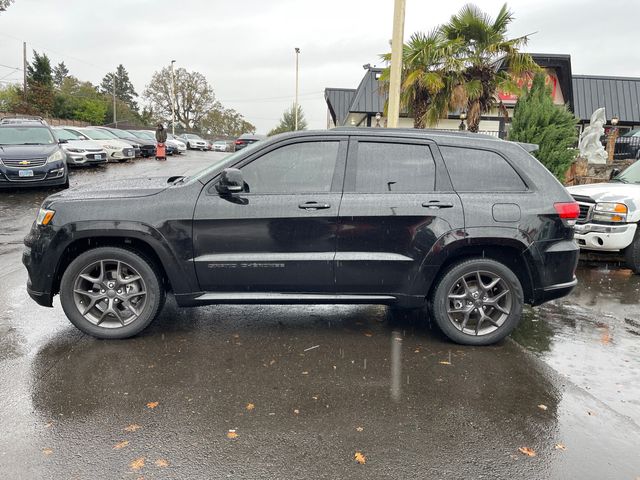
point(124, 154)
point(86, 158)
point(605, 238)
point(49, 174)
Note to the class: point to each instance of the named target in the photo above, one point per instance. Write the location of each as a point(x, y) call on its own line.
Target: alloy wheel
point(110, 293)
point(479, 303)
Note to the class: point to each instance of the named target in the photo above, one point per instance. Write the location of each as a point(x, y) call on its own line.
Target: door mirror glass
point(63, 140)
point(614, 173)
point(231, 181)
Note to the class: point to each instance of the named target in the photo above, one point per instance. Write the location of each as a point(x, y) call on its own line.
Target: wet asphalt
point(298, 391)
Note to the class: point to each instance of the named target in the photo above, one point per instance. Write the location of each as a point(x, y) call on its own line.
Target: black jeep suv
point(469, 226)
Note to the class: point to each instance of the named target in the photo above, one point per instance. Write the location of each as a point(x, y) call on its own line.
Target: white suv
point(609, 216)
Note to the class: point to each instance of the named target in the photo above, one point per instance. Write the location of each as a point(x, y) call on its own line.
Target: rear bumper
point(555, 263)
point(553, 292)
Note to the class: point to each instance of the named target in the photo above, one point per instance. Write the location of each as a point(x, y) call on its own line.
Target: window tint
point(296, 168)
point(480, 171)
point(394, 167)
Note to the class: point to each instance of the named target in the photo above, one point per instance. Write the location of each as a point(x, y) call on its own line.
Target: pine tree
point(124, 87)
point(40, 85)
point(538, 120)
point(288, 121)
point(60, 72)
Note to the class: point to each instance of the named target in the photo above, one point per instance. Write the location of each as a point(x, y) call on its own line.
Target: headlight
point(610, 212)
point(75, 150)
point(45, 216)
point(54, 157)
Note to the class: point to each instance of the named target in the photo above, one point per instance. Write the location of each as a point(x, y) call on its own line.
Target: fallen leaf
point(359, 429)
point(250, 406)
point(161, 462)
point(605, 338)
point(232, 434)
point(360, 458)
point(444, 362)
point(417, 350)
point(47, 451)
point(132, 428)
point(591, 413)
point(315, 397)
point(368, 334)
point(296, 411)
point(560, 446)
point(121, 444)
point(527, 451)
point(542, 407)
point(152, 405)
point(305, 373)
point(48, 425)
point(137, 464)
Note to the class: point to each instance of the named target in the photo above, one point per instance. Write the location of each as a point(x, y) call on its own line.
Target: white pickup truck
point(609, 216)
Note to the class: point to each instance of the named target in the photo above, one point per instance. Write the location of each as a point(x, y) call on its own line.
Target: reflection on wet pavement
point(593, 336)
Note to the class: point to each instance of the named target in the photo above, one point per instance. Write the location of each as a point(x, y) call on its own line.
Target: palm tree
point(425, 60)
point(483, 43)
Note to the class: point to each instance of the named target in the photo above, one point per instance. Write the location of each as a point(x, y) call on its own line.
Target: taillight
point(238, 142)
point(569, 211)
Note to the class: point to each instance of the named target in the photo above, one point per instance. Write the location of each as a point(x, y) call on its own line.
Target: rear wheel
point(477, 302)
point(111, 292)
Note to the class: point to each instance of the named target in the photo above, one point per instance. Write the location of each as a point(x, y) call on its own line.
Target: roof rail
point(19, 118)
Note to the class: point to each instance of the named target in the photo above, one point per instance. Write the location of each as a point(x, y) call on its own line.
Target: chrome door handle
point(437, 204)
point(314, 206)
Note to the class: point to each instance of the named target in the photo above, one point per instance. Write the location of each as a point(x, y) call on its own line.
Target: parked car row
point(34, 154)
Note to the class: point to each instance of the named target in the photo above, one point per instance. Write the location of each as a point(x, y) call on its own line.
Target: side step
point(268, 297)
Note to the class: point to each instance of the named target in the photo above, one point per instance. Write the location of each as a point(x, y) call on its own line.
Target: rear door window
point(385, 167)
point(473, 170)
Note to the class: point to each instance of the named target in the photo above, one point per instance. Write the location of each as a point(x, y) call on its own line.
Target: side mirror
point(231, 181)
point(62, 140)
point(614, 173)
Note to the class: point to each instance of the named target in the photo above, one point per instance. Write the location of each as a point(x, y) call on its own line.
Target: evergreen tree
point(288, 121)
point(538, 120)
point(40, 84)
point(124, 87)
point(60, 72)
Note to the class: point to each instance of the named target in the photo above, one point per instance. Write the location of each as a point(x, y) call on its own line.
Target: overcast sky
point(245, 48)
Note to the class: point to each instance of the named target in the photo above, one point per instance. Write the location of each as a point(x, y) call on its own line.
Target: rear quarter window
point(474, 170)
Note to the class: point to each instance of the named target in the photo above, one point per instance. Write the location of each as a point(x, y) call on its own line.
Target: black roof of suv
point(469, 227)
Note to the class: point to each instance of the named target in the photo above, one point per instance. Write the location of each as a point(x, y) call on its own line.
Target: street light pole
point(173, 99)
point(397, 43)
point(115, 120)
point(296, 102)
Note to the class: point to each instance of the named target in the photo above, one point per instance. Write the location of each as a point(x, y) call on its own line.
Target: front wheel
point(111, 292)
point(477, 302)
point(632, 254)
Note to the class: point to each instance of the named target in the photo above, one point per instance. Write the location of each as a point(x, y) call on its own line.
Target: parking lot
point(299, 391)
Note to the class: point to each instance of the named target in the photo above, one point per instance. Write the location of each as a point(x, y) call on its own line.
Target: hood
point(83, 144)
point(125, 188)
point(27, 151)
point(114, 142)
point(608, 192)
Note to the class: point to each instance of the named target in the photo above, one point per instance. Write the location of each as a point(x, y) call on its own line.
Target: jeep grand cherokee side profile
point(468, 226)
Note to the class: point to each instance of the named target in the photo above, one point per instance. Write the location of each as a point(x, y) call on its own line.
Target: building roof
point(370, 97)
point(620, 96)
point(339, 100)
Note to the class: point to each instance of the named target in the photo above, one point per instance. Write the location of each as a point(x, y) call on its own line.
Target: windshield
point(119, 133)
point(193, 136)
point(148, 135)
point(137, 134)
point(19, 135)
point(630, 175)
point(226, 161)
point(63, 134)
point(632, 133)
point(98, 134)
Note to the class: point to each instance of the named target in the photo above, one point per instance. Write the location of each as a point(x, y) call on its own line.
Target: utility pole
point(173, 99)
point(115, 120)
point(397, 44)
point(24, 66)
point(296, 102)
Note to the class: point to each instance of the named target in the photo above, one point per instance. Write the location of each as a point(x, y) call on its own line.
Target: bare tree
point(194, 96)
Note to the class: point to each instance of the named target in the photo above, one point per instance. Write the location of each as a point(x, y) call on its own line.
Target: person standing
point(161, 138)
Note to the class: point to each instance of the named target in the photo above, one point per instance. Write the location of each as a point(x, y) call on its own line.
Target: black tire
point(632, 254)
point(450, 280)
point(122, 160)
point(147, 270)
point(66, 182)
